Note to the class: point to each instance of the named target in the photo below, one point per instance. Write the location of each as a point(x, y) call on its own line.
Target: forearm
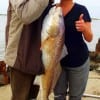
point(87, 33)
point(29, 10)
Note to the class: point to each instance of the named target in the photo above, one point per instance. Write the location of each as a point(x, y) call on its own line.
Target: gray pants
point(72, 80)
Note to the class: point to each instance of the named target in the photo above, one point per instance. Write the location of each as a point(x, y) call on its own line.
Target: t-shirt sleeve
point(85, 11)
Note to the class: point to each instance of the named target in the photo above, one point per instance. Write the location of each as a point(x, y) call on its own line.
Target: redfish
point(52, 42)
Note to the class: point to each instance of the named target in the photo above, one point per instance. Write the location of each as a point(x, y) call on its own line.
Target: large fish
point(52, 42)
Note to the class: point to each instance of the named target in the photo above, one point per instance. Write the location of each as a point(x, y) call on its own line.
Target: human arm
point(85, 28)
point(29, 10)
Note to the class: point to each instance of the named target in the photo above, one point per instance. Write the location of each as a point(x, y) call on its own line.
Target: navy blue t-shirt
point(77, 48)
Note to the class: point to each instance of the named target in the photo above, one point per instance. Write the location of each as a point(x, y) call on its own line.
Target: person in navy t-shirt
point(75, 65)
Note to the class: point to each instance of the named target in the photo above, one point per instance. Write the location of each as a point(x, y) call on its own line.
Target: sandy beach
point(93, 89)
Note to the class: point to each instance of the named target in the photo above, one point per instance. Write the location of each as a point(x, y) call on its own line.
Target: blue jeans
point(72, 80)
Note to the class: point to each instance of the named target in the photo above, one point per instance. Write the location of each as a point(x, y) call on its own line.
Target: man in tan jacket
point(23, 39)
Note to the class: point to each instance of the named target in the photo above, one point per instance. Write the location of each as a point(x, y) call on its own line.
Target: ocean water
point(96, 34)
point(2, 36)
point(91, 45)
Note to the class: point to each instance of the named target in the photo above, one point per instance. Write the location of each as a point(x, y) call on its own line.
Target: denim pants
point(72, 81)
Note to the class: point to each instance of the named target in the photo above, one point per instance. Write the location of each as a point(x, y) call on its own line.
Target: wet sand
point(93, 88)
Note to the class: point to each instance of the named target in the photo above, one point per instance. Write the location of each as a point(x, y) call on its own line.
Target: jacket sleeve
point(29, 10)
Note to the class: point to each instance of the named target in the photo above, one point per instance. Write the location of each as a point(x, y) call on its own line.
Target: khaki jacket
point(23, 35)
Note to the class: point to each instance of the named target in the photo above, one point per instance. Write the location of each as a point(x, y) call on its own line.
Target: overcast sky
point(92, 5)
